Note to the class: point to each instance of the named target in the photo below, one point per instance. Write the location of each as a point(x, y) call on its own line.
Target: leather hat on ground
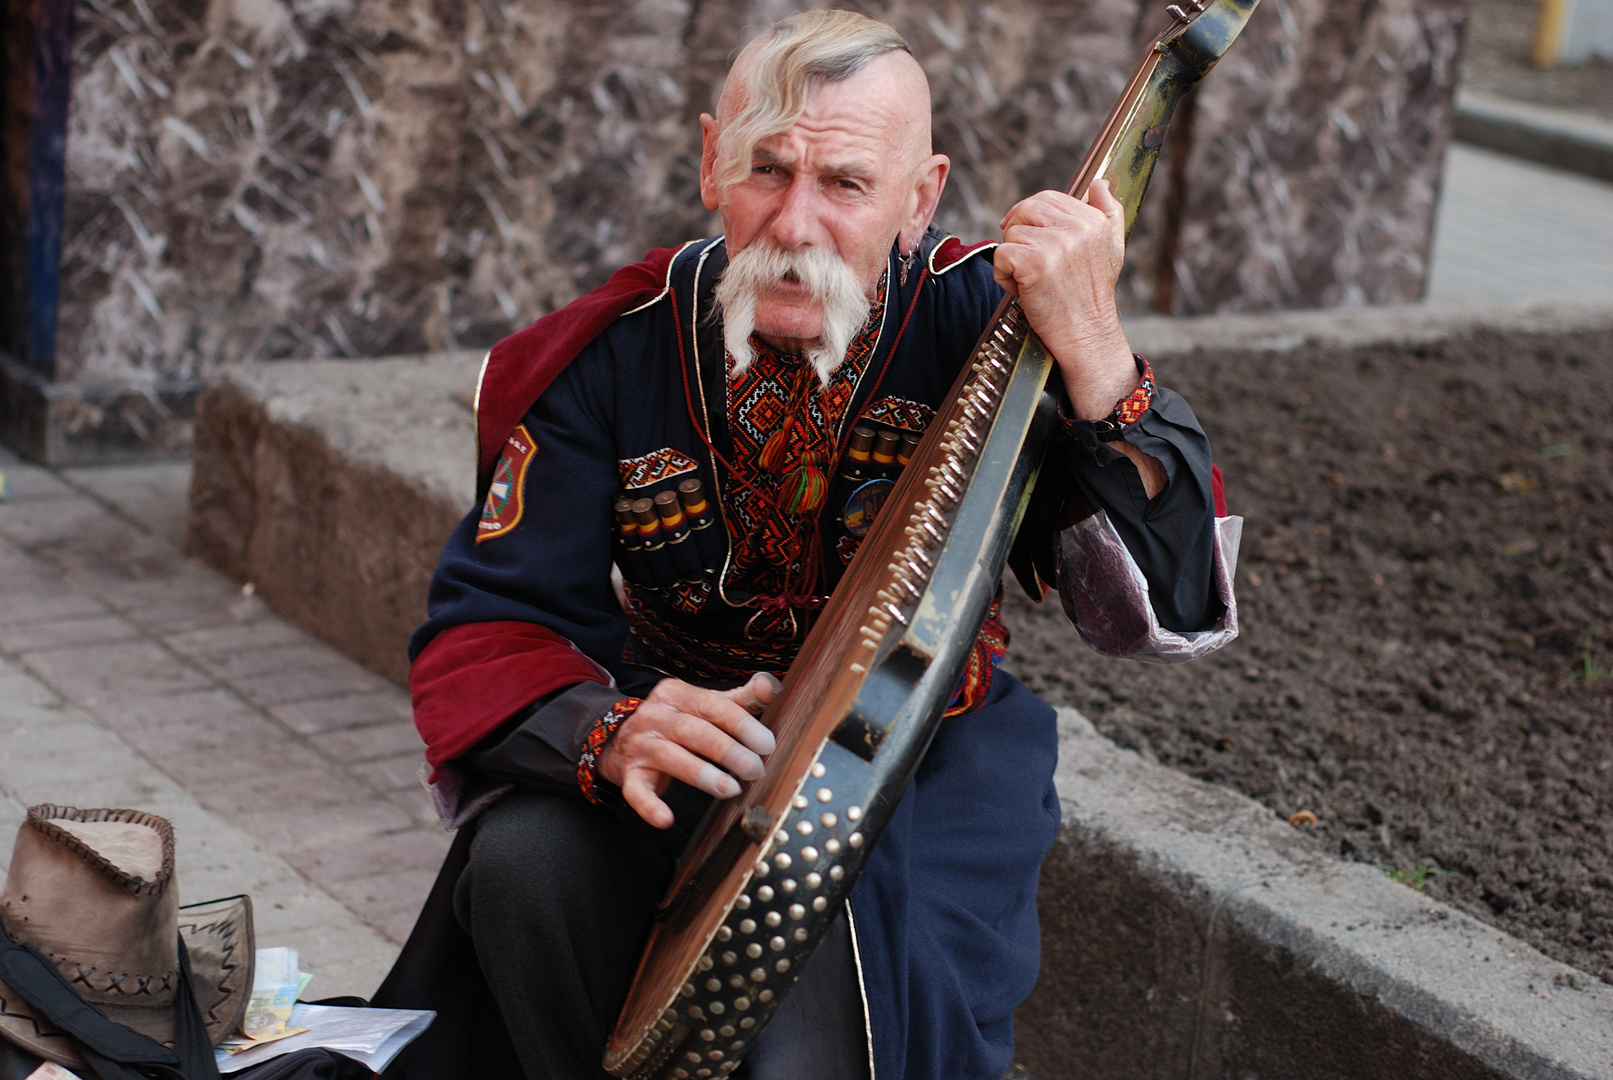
point(94, 891)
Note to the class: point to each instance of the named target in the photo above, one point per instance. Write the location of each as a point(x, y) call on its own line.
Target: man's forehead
point(871, 116)
point(864, 162)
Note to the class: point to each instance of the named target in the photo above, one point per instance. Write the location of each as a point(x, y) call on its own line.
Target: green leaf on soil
point(1416, 874)
point(1589, 670)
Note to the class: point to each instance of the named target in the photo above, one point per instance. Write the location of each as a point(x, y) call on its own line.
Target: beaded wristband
point(1129, 409)
point(594, 744)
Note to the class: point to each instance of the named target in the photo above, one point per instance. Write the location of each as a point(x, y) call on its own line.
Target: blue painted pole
point(47, 174)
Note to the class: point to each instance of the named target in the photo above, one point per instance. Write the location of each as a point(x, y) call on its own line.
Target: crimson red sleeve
point(474, 676)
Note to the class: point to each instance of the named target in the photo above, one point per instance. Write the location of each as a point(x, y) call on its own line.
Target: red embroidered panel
point(987, 652)
point(654, 642)
point(654, 467)
point(900, 413)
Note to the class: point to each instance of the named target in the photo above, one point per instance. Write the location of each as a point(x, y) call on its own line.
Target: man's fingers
point(1101, 198)
point(754, 697)
point(755, 736)
point(1042, 208)
point(1015, 264)
point(1054, 209)
point(656, 758)
point(668, 757)
point(638, 791)
point(714, 781)
point(742, 761)
point(757, 693)
point(700, 736)
point(719, 708)
point(1002, 269)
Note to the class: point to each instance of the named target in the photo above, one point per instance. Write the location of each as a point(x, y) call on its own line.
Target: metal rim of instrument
point(771, 869)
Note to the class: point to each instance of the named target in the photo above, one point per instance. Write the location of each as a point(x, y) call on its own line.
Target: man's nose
point(798, 223)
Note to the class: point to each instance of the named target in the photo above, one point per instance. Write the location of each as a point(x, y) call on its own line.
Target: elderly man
point(578, 732)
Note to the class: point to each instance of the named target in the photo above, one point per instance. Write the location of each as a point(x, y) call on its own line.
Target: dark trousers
point(554, 897)
point(558, 896)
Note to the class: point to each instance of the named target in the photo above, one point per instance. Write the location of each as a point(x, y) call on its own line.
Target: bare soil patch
point(1426, 591)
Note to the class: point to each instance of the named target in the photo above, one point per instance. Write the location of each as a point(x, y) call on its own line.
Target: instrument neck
point(1117, 123)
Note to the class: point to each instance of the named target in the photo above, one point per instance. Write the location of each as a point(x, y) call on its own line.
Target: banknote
point(275, 984)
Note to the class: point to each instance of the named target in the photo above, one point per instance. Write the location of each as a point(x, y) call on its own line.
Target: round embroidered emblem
point(863, 506)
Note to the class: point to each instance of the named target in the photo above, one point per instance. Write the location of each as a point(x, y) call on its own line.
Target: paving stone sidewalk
point(1510, 233)
point(132, 666)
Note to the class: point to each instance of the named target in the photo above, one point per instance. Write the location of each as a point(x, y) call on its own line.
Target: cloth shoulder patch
point(506, 496)
point(652, 468)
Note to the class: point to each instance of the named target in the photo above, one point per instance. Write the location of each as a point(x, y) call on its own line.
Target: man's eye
point(849, 186)
point(764, 170)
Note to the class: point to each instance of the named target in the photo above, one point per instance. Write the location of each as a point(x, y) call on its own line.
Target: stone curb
point(1554, 137)
point(1188, 932)
point(1350, 328)
point(330, 485)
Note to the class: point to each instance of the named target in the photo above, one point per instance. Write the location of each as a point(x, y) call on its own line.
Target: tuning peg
point(1176, 13)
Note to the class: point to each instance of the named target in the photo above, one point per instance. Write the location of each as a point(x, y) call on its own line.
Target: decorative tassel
point(775, 452)
point(804, 488)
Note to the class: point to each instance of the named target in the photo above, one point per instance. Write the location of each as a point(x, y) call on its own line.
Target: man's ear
point(708, 160)
point(932, 180)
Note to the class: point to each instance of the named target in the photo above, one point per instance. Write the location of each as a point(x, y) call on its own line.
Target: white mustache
point(823, 274)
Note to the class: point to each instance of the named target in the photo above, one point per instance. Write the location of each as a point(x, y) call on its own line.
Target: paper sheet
point(372, 1037)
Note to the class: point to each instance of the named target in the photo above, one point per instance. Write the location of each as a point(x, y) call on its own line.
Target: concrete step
point(1187, 931)
point(1556, 137)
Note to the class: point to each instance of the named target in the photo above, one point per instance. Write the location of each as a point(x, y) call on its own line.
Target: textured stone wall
point(271, 178)
point(1316, 158)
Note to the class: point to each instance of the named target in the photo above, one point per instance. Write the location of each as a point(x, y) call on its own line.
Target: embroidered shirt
point(770, 546)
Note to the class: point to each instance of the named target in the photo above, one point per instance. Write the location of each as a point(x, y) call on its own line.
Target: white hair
point(806, 48)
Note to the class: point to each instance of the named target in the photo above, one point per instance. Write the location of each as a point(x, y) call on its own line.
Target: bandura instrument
point(769, 870)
